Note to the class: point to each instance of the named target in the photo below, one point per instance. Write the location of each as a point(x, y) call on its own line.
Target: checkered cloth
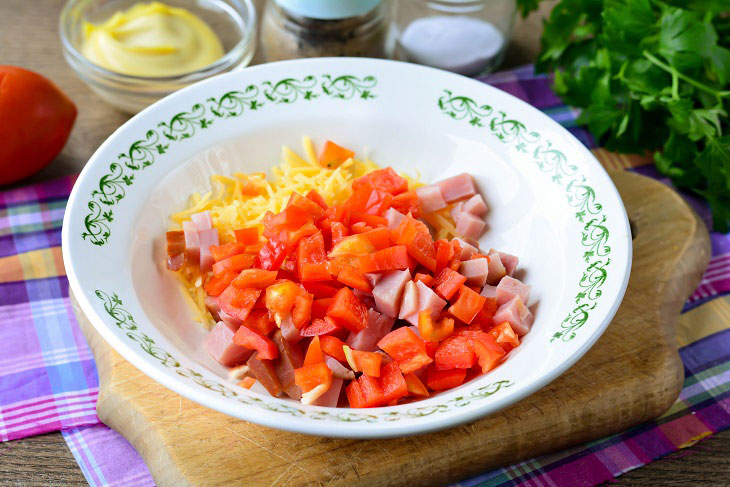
point(48, 381)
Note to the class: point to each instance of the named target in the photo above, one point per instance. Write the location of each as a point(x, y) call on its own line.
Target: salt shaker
point(463, 36)
point(293, 29)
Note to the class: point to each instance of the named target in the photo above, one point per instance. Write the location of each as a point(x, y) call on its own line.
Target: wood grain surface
point(29, 38)
point(631, 375)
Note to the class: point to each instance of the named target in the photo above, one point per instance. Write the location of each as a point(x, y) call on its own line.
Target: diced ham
point(467, 249)
point(365, 298)
point(389, 291)
point(509, 262)
point(175, 262)
point(476, 205)
point(338, 370)
point(409, 306)
point(290, 357)
point(230, 321)
point(175, 242)
point(456, 210)
point(516, 314)
point(288, 329)
point(427, 301)
point(366, 340)
point(457, 187)
point(202, 220)
point(394, 217)
point(265, 373)
point(207, 238)
point(470, 226)
point(510, 287)
point(373, 278)
point(475, 271)
point(489, 291)
point(496, 269)
point(211, 303)
point(330, 398)
point(192, 241)
point(219, 343)
point(430, 198)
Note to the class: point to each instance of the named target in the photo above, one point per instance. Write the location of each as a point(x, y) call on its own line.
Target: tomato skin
point(35, 121)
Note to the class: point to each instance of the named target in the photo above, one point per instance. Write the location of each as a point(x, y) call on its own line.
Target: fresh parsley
point(651, 76)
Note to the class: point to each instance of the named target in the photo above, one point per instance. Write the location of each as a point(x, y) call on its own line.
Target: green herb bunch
point(651, 76)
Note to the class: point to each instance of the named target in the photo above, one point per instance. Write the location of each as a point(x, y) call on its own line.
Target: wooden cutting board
point(632, 374)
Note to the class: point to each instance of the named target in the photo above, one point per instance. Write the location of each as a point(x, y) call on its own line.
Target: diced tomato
point(339, 231)
point(391, 258)
point(414, 235)
point(259, 320)
point(455, 261)
point(254, 278)
point(372, 221)
point(247, 236)
point(406, 348)
point(379, 237)
point(358, 200)
point(378, 202)
point(368, 391)
point(311, 258)
point(310, 376)
point(304, 231)
point(321, 290)
point(448, 282)
point(485, 315)
point(468, 305)
point(339, 213)
point(367, 362)
point(301, 312)
point(250, 187)
point(317, 198)
point(333, 155)
point(489, 353)
point(314, 352)
point(431, 348)
point(392, 383)
point(350, 276)
point(355, 396)
point(319, 308)
point(353, 245)
point(309, 272)
point(280, 296)
point(360, 227)
point(272, 254)
point(455, 352)
point(310, 206)
point(443, 255)
point(321, 327)
point(247, 382)
point(348, 311)
point(407, 203)
point(505, 336)
point(415, 386)
point(434, 332)
point(221, 252)
point(383, 179)
point(253, 340)
point(441, 380)
point(332, 346)
point(217, 284)
point(238, 302)
point(424, 278)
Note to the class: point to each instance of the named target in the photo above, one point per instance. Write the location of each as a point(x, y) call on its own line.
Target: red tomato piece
point(238, 302)
point(319, 308)
point(505, 336)
point(222, 252)
point(280, 296)
point(339, 231)
point(332, 346)
point(424, 278)
point(407, 203)
point(253, 340)
point(489, 353)
point(455, 352)
point(317, 198)
point(415, 386)
point(314, 353)
point(367, 362)
point(272, 254)
point(391, 258)
point(347, 311)
point(315, 211)
point(320, 327)
point(311, 257)
point(441, 380)
point(259, 320)
point(254, 278)
point(247, 236)
point(350, 276)
point(443, 255)
point(321, 290)
point(379, 237)
point(448, 282)
point(406, 348)
point(333, 155)
point(301, 311)
point(235, 263)
point(383, 179)
point(310, 376)
point(217, 284)
point(485, 315)
point(392, 383)
point(368, 220)
point(415, 236)
point(468, 305)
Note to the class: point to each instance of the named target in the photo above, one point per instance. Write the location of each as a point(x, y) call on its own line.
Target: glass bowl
point(234, 21)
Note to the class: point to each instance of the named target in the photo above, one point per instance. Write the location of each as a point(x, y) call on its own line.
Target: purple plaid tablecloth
point(48, 380)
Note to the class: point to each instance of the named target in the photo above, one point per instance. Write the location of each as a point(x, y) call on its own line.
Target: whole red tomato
point(35, 121)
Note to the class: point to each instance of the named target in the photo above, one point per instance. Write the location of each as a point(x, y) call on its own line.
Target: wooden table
point(29, 38)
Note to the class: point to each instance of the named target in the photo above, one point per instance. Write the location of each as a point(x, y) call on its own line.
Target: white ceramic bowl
point(551, 203)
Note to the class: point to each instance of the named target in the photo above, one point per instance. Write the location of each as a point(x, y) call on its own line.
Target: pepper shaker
point(292, 29)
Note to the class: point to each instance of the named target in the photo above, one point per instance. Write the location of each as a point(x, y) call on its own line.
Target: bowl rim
point(228, 60)
point(354, 430)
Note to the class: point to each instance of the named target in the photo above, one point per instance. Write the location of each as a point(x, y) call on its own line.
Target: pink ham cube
point(467, 249)
point(475, 271)
point(192, 241)
point(366, 340)
point(389, 291)
point(456, 210)
point(330, 398)
point(427, 301)
point(409, 306)
point(475, 205)
point(394, 217)
point(509, 262)
point(207, 238)
point(430, 198)
point(202, 220)
point(469, 226)
point(230, 321)
point(457, 187)
point(496, 269)
point(219, 343)
point(516, 314)
point(510, 287)
point(289, 331)
point(489, 292)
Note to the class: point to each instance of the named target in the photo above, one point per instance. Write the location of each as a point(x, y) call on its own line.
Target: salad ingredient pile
point(344, 297)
